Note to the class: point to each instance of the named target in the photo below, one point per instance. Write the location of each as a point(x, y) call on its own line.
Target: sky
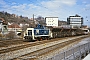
point(48, 8)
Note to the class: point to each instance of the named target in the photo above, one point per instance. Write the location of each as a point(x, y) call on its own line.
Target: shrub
point(1, 35)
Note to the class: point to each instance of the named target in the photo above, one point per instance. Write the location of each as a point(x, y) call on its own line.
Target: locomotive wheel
point(41, 39)
point(45, 38)
point(37, 39)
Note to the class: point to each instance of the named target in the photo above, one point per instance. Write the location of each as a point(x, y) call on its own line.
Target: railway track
point(14, 52)
point(42, 53)
point(8, 48)
point(14, 44)
point(6, 43)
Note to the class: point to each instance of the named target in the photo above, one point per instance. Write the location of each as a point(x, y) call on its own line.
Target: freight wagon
point(58, 32)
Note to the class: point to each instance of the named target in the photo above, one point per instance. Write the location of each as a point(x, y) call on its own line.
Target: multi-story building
point(75, 21)
point(51, 21)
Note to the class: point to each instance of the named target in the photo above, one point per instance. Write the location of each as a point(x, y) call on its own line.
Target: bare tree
point(11, 35)
point(24, 27)
point(0, 35)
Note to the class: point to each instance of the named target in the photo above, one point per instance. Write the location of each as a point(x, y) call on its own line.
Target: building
point(3, 26)
point(1, 23)
point(62, 23)
point(75, 21)
point(14, 27)
point(51, 21)
point(23, 24)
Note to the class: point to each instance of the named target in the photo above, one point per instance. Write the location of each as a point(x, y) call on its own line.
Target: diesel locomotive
point(38, 33)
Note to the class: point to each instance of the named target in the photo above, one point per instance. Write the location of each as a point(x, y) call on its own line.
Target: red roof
point(2, 19)
point(14, 26)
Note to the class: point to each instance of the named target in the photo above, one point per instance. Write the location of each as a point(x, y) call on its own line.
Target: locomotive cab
point(28, 34)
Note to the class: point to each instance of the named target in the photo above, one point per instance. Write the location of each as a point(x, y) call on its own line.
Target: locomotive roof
point(40, 27)
point(64, 28)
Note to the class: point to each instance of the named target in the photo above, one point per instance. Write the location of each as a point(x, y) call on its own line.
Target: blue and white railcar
point(38, 33)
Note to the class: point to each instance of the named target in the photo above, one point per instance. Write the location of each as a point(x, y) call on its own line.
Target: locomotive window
point(45, 32)
point(37, 31)
point(29, 32)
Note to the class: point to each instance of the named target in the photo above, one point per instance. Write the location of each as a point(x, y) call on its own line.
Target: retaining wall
point(77, 52)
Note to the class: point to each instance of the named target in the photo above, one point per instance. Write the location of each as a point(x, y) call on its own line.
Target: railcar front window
point(30, 32)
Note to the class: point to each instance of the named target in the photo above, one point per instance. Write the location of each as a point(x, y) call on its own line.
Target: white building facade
point(75, 21)
point(51, 21)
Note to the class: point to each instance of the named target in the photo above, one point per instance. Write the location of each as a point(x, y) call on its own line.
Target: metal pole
point(80, 53)
point(64, 55)
point(33, 19)
point(84, 50)
point(73, 53)
point(88, 47)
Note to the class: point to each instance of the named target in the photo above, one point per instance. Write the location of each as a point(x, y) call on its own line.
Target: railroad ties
point(35, 50)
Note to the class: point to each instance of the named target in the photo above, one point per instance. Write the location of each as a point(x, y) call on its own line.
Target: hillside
point(13, 18)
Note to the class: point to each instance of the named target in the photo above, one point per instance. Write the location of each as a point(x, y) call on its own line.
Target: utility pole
point(33, 17)
point(33, 21)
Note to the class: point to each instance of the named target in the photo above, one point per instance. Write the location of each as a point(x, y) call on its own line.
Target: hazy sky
point(48, 8)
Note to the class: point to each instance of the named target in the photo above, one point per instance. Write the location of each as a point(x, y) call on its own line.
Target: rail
point(13, 53)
